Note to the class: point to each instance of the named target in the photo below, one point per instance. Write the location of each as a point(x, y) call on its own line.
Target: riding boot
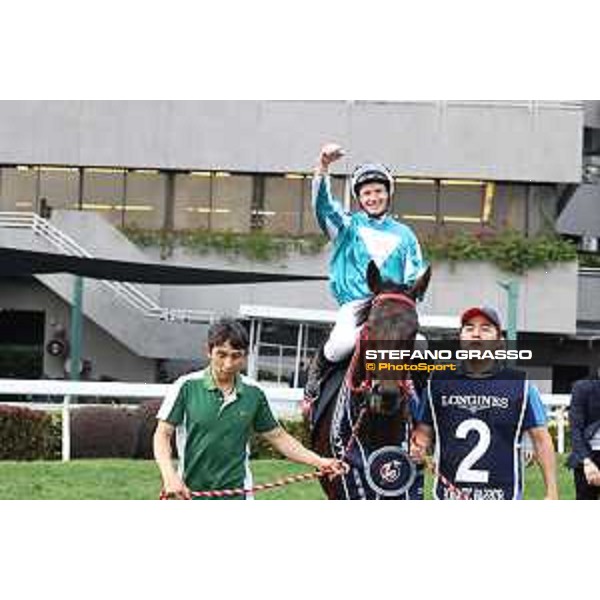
point(318, 369)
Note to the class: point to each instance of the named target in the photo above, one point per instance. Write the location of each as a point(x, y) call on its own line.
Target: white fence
point(284, 401)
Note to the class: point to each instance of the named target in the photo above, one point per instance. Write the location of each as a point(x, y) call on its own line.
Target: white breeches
point(345, 332)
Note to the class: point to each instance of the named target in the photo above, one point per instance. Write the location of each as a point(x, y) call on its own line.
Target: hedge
point(100, 432)
point(115, 432)
point(25, 434)
point(54, 450)
point(146, 426)
point(259, 448)
point(104, 432)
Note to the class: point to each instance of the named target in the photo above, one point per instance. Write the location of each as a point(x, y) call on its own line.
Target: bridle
point(405, 386)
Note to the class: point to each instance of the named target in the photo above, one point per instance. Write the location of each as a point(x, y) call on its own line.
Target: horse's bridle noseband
point(397, 296)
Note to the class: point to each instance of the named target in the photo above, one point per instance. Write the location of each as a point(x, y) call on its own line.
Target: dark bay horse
point(367, 422)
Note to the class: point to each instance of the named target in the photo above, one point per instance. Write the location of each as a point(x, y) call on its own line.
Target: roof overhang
point(316, 316)
point(23, 263)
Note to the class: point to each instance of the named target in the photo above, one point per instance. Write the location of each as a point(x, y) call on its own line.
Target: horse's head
point(391, 316)
point(392, 313)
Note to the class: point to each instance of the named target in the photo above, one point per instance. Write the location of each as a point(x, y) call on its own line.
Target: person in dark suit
point(584, 417)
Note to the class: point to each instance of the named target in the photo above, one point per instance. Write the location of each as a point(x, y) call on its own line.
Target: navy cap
point(487, 312)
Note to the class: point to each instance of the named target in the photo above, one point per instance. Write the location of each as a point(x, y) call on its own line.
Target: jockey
point(369, 234)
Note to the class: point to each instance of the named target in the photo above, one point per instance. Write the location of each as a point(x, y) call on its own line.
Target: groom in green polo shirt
point(214, 413)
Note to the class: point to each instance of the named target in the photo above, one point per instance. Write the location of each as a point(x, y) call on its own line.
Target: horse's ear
point(421, 284)
point(374, 278)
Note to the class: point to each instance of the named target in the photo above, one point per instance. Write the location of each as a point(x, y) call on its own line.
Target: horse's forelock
point(393, 318)
point(388, 316)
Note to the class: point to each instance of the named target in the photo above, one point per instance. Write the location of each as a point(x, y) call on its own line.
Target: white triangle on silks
point(380, 244)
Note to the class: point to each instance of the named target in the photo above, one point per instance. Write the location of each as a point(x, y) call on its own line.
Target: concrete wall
point(98, 237)
point(547, 301)
point(497, 140)
point(109, 357)
point(547, 297)
point(541, 377)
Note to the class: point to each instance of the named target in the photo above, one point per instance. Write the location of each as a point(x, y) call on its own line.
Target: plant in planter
point(510, 250)
point(256, 245)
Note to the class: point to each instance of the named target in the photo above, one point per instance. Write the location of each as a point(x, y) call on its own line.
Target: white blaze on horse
point(367, 421)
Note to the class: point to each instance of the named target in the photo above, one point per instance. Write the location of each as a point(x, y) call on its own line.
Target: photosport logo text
point(397, 360)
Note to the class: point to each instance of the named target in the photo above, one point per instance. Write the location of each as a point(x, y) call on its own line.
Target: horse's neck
point(386, 430)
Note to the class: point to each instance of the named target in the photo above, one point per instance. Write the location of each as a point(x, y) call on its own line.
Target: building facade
point(244, 167)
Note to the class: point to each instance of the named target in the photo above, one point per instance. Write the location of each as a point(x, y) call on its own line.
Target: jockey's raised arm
point(328, 210)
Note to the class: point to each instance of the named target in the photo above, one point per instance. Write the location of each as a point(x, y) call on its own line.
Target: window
point(282, 205)
point(414, 203)
point(104, 192)
point(192, 204)
point(145, 201)
point(232, 201)
point(461, 203)
point(218, 201)
point(452, 205)
point(18, 189)
point(59, 186)
point(24, 186)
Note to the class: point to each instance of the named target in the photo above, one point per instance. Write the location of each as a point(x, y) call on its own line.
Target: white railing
point(132, 294)
point(284, 401)
point(557, 406)
point(284, 356)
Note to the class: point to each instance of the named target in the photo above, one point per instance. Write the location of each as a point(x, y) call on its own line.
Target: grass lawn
point(138, 480)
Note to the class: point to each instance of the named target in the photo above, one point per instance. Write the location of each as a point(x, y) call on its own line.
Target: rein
point(228, 493)
point(261, 487)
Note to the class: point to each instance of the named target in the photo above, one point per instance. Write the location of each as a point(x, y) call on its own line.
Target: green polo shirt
point(213, 432)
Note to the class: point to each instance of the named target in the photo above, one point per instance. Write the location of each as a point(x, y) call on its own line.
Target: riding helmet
point(372, 173)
